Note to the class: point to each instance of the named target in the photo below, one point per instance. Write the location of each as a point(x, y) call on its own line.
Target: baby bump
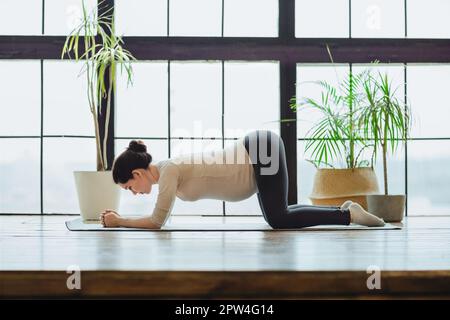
point(217, 188)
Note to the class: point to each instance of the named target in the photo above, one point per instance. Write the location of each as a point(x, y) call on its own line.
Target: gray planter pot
point(391, 208)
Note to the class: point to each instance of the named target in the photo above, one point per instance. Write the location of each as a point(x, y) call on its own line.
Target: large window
point(189, 115)
point(419, 168)
point(181, 105)
point(200, 18)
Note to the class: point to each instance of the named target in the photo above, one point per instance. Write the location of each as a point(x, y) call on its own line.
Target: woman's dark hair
point(134, 157)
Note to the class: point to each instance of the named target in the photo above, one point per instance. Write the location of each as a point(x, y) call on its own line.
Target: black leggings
point(266, 152)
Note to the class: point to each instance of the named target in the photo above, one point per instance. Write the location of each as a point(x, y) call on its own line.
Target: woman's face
point(139, 184)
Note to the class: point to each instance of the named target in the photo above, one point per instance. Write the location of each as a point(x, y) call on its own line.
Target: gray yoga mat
point(79, 225)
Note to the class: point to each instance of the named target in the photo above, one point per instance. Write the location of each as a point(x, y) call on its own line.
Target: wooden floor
point(36, 251)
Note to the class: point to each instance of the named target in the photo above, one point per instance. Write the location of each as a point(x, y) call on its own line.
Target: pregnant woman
point(255, 163)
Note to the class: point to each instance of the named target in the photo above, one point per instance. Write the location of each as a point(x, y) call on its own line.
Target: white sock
point(364, 218)
point(346, 204)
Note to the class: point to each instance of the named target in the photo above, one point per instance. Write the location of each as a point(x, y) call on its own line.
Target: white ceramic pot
point(96, 192)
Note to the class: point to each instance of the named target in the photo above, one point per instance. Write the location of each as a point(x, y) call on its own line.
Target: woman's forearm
point(143, 222)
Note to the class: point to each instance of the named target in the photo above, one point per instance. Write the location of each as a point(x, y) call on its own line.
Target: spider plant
point(94, 43)
point(385, 119)
point(337, 134)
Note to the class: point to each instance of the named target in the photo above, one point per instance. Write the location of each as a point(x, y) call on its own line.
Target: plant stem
point(107, 116)
point(386, 191)
point(100, 165)
point(352, 142)
point(386, 127)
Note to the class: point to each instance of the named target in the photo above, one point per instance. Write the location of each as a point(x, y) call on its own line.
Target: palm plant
point(385, 120)
point(102, 52)
point(336, 135)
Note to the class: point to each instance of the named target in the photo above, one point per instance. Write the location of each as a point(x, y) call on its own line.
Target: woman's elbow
point(153, 225)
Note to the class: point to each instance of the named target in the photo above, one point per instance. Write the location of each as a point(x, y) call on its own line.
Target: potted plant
point(94, 43)
point(337, 136)
point(385, 121)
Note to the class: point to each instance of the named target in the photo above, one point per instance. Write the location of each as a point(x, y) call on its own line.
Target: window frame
point(286, 49)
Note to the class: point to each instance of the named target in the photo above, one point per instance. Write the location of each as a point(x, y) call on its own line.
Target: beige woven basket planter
point(334, 186)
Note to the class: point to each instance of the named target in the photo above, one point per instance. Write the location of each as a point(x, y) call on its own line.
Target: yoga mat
point(79, 225)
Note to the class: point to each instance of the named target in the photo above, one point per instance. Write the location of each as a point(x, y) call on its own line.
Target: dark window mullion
point(409, 139)
point(350, 19)
point(137, 137)
point(287, 74)
point(299, 50)
point(67, 136)
point(223, 118)
point(405, 101)
point(168, 17)
point(20, 137)
point(406, 18)
point(406, 142)
point(169, 137)
point(43, 18)
point(141, 137)
point(41, 140)
point(223, 18)
point(224, 212)
point(102, 7)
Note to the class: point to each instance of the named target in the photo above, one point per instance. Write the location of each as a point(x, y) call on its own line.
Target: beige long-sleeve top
point(225, 174)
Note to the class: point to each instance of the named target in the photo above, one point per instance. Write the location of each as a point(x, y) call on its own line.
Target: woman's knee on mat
point(283, 222)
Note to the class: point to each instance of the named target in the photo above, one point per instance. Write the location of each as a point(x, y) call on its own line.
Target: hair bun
point(137, 146)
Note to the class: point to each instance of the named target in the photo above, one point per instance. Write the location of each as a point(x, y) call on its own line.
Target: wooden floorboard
point(36, 251)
